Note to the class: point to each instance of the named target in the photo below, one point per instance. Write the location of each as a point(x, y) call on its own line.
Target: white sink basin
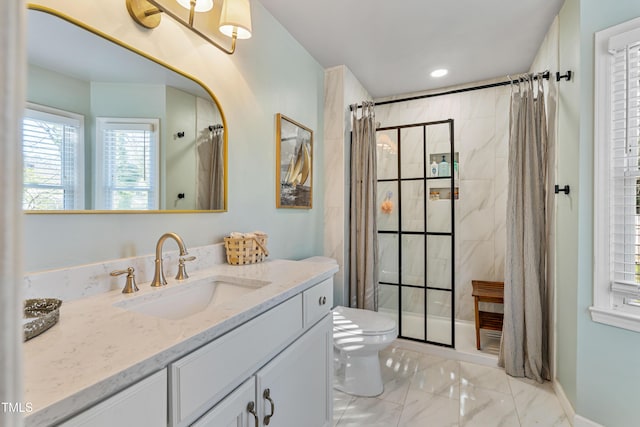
point(183, 300)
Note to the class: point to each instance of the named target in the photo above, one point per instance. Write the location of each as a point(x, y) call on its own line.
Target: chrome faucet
point(158, 276)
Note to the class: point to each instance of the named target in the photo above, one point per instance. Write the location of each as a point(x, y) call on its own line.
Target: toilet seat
point(354, 321)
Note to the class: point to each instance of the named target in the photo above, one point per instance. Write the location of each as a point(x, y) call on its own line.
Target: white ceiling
point(392, 46)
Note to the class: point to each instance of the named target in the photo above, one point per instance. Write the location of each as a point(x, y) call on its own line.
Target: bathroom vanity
point(259, 357)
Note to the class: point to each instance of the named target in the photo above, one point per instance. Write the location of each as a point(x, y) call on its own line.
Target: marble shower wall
point(481, 120)
point(341, 89)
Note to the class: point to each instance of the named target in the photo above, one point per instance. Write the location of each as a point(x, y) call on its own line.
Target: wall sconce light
point(206, 18)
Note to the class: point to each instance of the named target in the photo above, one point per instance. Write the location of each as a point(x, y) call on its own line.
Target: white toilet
point(358, 336)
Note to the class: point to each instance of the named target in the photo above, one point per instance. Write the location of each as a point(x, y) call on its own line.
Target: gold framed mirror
point(110, 129)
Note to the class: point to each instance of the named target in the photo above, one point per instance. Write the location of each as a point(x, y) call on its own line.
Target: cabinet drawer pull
point(322, 300)
point(267, 395)
point(251, 408)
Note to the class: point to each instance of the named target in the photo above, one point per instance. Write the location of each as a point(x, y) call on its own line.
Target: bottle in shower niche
point(443, 167)
point(434, 169)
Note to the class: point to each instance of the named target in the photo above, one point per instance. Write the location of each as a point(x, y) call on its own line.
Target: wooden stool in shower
point(487, 292)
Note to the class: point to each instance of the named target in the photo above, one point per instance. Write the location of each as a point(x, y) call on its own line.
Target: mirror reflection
point(108, 129)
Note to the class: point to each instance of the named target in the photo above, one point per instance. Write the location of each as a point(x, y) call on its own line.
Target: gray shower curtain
point(211, 171)
point(524, 346)
point(363, 250)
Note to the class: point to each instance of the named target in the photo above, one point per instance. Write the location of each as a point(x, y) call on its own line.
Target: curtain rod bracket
point(566, 76)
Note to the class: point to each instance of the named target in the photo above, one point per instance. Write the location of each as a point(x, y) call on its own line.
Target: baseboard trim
point(575, 419)
point(580, 421)
point(564, 401)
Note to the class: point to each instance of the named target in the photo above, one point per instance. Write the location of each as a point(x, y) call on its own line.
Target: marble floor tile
point(398, 367)
point(442, 379)
point(340, 403)
point(484, 377)
point(406, 363)
point(400, 363)
point(537, 404)
point(424, 390)
point(370, 412)
point(426, 409)
point(395, 390)
point(484, 408)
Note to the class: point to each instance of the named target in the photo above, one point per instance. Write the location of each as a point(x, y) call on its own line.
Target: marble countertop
point(98, 349)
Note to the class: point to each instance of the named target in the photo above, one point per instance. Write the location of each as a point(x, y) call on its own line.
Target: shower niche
point(416, 229)
point(436, 189)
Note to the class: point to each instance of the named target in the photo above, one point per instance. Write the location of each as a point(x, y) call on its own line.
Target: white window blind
point(52, 159)
point(128, 160)
point(625, 166)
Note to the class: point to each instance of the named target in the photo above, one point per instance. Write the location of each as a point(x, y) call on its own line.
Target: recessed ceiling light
point(439, 72)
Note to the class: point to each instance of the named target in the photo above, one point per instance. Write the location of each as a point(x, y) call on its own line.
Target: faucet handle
point(182, 271)
point(130, 285)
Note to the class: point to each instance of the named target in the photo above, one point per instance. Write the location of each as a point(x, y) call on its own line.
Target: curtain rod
point(544, 75)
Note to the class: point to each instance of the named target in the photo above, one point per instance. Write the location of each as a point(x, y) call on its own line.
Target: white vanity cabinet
point(142, 404)
point(274, 370)
point(236, 410)
point(294, 389)
point(299, 382)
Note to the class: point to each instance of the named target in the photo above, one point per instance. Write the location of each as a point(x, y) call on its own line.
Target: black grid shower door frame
point(400, 285)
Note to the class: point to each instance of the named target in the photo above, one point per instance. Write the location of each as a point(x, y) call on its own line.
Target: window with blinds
point(616, 177)
point(625, 165)
point(127, 163)
point(52, 151)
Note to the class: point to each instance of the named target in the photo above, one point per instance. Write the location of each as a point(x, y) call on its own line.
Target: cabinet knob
point(322, 300)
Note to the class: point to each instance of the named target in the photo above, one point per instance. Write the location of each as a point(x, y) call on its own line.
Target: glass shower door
point(415, 230)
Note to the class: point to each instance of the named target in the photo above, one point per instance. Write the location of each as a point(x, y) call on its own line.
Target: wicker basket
point(249, 250)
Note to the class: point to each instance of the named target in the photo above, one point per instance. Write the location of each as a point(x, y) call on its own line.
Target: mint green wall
point(128, 100)
point(567, 206)
point(269, 73)
point(180, 171)
point(52, 89)
point(608, 378)
point(603, 382)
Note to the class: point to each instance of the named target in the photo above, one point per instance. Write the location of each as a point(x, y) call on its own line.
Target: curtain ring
point(541, 81)
point(354, 111)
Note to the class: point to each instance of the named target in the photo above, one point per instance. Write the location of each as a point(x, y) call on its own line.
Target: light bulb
point(236, 16)
point(439, 72)
point(201, 5)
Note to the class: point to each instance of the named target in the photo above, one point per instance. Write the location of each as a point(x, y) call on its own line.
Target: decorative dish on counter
point(39, 315)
